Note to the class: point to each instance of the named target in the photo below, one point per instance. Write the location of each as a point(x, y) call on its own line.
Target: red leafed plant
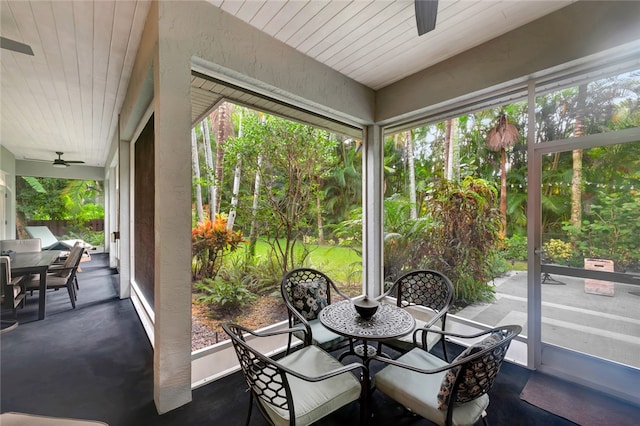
point(210, 241)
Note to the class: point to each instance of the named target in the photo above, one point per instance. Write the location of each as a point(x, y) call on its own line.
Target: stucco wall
point(234, 49)
point(576, 31)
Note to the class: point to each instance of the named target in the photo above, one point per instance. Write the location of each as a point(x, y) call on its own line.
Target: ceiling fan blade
point(16, 46)
point(73, 162)
point(426, 13)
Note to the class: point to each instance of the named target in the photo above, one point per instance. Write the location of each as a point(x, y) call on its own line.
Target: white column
point(125, 244)
point(172, 220)
point(372, 203)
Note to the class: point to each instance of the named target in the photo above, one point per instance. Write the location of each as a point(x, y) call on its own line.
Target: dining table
point(388, 322)
point(35, 262)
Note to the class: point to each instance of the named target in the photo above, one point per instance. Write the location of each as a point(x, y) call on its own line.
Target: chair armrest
point(293, 312)
point(56, 270)
point(456, 363)
point(462, 336)
point(17, 280)
point(329, 374)
point(411, 367)
point(273, 333)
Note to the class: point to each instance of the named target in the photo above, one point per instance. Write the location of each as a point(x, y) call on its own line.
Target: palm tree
point(208, 158)
point(502, 136)
point(196, 174)
point(223, 128)
point(576, 177)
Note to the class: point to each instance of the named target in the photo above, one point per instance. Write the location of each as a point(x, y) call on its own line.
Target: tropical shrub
point(210, 241)
point(558, 251)
point(515, 248)
point(225, 295)
point(464, 241)
point(610, 230)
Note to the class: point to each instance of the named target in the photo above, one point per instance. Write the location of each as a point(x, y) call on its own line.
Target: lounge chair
point(50, 241)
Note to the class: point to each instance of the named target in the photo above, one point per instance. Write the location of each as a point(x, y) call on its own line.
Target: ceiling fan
point(16, 46)
point(59, 162)
point(426, 12)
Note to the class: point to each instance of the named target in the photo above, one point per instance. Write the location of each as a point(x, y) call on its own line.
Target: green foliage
point(515, 248)
point(291, 161)
point(253, 272)
point(404, 237)
point(464, 241)
point(59, 199)
point(210, 241)
point(227, 295)
point(611, 229)
point(558, 251)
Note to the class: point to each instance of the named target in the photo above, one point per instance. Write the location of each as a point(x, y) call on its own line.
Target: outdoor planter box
point(603, 288)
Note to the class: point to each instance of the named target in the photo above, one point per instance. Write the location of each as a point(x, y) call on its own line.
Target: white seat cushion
point(419, 392)
point(21, 419)
point(406, 342)
point(314, 400)
point(321, 335)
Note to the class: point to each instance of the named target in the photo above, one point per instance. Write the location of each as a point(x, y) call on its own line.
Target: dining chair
point(428, 289)
point(305, 292)
point(21, 246)
point(445, 393)
point(12, 291)
point(62, 277)
point(299, 388)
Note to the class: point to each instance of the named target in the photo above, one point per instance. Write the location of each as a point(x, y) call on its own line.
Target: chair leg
point(71, 295)
point(250, 407)
point(288, 345)
point(444, 348)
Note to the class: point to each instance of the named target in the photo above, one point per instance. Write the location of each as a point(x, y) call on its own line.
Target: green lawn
point(341, 264)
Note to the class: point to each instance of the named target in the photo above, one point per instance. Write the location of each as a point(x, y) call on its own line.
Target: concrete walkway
point(603, 326)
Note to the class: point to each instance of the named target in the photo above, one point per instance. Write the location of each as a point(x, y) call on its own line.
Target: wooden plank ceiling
point(67, 96)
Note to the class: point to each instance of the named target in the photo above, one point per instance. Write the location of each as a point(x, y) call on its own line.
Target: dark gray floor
point(95, 362)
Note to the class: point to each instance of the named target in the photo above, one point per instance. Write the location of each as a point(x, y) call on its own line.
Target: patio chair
point(429, 289)
point(12, 292)
point(21, 246)
point(50, 241)
point(300, 388)
point(64, 277)
point(305, 292)
point(447, 394)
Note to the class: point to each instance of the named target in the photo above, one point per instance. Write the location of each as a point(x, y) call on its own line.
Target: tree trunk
point(196, 174)
point(208, 158)
point(576, 178)
point(236, 184)
point(319, 214)
point(451, 143)
point(253, 234)
point(503, 193)
point(447, 144)
point(222, 134)
point(412, 176)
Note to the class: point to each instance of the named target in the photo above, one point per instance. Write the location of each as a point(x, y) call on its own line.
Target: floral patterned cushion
point(309, 297)
point(469, 387)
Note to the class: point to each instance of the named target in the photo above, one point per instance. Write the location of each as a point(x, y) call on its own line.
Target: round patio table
point(388, 322)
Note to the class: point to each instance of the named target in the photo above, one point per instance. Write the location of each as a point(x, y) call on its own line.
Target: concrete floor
point(599, 325)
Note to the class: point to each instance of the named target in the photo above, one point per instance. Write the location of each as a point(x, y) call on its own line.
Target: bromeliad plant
point(210, 241)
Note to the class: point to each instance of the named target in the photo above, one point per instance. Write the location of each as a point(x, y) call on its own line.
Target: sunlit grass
point(341, 264)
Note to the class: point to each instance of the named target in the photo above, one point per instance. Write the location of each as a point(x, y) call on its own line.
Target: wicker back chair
point(427, 288)
point(298, 389)
point(305, 292)
point(461, 386)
